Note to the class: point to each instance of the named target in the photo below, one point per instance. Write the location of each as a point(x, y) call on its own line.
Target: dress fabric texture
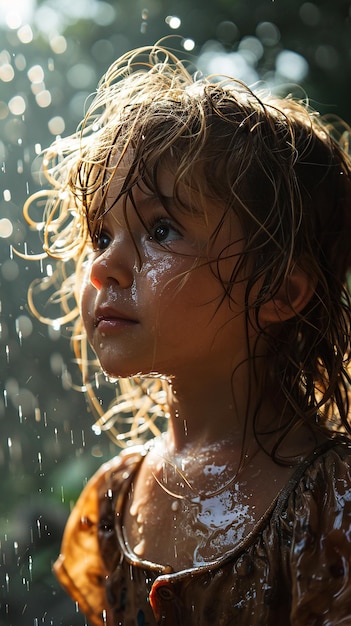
point(293, 569)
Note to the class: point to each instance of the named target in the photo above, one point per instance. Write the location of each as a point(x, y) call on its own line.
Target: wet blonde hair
point(277, 164)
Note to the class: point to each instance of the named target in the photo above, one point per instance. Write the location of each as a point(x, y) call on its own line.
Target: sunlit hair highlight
point(282, 169)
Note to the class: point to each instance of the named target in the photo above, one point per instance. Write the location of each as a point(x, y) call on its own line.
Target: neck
point(203, 413)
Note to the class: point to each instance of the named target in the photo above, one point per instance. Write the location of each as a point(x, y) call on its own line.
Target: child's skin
point(152, 304)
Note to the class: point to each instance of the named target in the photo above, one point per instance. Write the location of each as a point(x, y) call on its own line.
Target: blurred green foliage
point(51, 57)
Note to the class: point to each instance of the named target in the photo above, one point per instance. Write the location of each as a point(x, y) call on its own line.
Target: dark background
point(52, 54)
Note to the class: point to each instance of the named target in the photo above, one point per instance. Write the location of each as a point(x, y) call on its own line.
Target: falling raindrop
point(144, 17)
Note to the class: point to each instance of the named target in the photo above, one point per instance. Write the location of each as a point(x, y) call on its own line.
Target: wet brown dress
point(293, 569)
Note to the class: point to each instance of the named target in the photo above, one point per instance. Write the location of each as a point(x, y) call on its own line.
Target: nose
point(114, 265)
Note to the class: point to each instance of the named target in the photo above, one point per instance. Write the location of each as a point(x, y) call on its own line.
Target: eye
point(101, 241)
point(163, 231)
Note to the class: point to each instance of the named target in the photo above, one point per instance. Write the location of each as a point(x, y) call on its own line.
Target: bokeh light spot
point(310, 14)
point(188, 44)
point(56, 125)
point(20, 62)
point(291, 65)
point(25, 34)
point(173, 21)
point(58, 44)
point(4, 110)
point(10, 270)
point(251, 49)
point(7, 73)
point(6, 228)
point(14, 13)
point(36, 74)
point(13, 19)
point(17, 105)
point(268, 33)
point(105, 14)
point(43, 98)
point(24, 325)
point(227, 31)
point(327, 57)
point(81, 76)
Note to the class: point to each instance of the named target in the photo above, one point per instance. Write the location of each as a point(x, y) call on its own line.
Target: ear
point(291, 298)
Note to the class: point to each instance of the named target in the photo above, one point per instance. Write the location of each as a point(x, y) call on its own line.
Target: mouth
point(112, 320)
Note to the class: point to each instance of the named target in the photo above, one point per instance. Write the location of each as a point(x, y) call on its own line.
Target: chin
point(114, 376)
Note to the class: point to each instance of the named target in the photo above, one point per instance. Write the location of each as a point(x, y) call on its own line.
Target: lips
point(110, 318)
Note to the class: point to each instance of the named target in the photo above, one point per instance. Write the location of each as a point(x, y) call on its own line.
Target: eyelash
point(156, 222)
point(163, 222)
point(97, 239)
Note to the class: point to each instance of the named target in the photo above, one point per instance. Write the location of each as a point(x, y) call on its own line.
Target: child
point(210, 230)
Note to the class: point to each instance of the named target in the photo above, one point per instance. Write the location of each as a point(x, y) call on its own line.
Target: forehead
point(199, 214)
point(129, 175)
point(151, 186)
point(156, 180)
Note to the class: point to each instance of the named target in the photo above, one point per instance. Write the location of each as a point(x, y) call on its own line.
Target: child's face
point(151, 299)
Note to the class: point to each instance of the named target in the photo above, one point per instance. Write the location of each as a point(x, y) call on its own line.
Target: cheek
point(192, 296)
point(165, 276)
point(87, 297)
